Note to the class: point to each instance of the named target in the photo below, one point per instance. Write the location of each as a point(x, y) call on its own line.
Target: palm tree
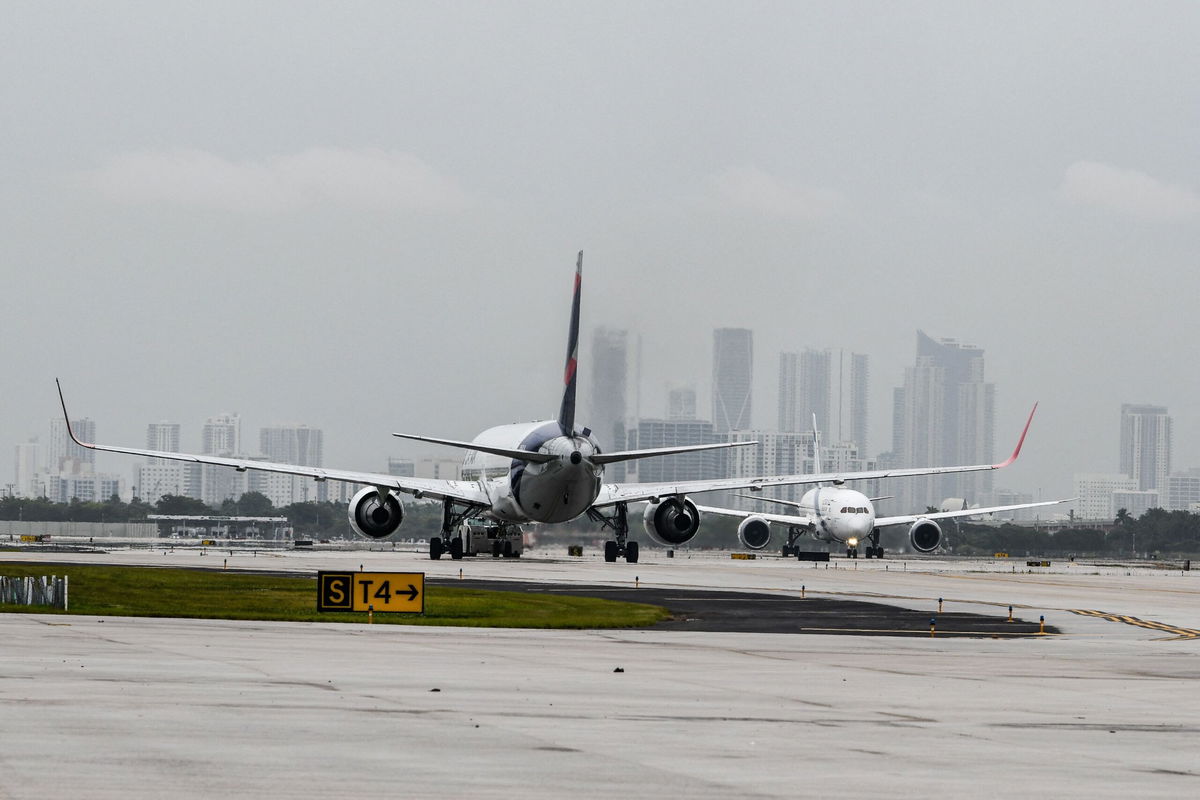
point(1123, 517)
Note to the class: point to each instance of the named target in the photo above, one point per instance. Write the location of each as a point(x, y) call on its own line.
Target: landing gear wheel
point(610, 551)
point(435, 548)
point(456, 548)
point(851, 552)
point(508, 549)
point(631, 552)
point(496, 549)
point(789, 551)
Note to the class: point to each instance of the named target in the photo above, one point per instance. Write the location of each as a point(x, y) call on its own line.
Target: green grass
point(157, 592)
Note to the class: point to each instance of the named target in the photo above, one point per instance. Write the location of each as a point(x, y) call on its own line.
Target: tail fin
point(566, 412)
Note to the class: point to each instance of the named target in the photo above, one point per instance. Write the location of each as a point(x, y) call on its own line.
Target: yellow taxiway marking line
point(1180, 633)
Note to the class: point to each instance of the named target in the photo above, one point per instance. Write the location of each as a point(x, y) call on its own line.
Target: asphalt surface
point(749, 612)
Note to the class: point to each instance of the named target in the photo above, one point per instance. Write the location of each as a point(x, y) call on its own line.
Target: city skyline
point(934, 357)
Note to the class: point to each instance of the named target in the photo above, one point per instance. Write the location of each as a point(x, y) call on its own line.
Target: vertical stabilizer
point(566, 412)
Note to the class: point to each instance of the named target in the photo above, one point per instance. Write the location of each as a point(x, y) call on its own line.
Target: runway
point(147, 707)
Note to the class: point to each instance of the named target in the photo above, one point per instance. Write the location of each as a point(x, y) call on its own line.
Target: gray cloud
point(1128, 192)
point(751, 189)
point(367, 178)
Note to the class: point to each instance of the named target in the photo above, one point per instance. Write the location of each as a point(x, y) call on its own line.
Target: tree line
point(1156, 532)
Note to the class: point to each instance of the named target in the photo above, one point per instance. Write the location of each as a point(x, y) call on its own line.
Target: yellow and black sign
point(398, 592)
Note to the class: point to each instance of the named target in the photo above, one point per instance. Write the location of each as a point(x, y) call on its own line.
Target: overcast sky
point(364, 216)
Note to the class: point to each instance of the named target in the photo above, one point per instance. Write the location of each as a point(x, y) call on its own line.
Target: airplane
point(847, 516)
point(541, 472)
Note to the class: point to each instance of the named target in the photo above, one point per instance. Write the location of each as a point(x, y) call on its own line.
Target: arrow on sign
point(412, 593)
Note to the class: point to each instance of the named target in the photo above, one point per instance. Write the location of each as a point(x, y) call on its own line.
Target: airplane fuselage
point(841, 514)
point(558, 490)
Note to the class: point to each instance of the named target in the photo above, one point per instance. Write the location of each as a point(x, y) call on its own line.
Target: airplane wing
point(612, 493)
point(799, 520)
point(464, 491)
point(883, 522)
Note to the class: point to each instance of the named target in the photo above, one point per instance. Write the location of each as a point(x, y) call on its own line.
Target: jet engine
point(673, 521)
point(925, 535)
point(754, 533)
point(373, 515)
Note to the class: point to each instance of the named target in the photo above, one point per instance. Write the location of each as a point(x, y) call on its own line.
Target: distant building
point(854, 381)
point(607, 389)
point(1135, 502)
point(28, 465)
point(221, 436)
point(1146, 445)
point(681, 403)
point(66, 456)
point(732, 379)
point(1182, 491)
point(88, 487)
point(402, 467)
point(813, 382)
point(449, 469)
point(804, 391)
point(675, 433)
point(292, 444)
point(945, 416)
point(1094, 494)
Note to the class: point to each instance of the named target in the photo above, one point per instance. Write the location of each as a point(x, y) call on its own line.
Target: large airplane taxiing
point(832, 513)
point(540, 472)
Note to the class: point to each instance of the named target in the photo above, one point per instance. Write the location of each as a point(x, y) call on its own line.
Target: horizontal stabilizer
point(632, 455)
point(520, 455)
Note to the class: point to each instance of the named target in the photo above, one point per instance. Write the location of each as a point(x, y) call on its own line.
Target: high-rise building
point(221, 436)
point(681, 403)
point(1146, 445)
point(804, 390)
point(945, 416)
point(28, 465)
point(854, 378)
point(732, 379)
point(1094, 493)
point(65, 455)
point(683, 466)
point(607, 389)
point(292, 444)
point(814, 382)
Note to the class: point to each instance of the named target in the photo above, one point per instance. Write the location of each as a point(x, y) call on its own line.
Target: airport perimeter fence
point(44, 591)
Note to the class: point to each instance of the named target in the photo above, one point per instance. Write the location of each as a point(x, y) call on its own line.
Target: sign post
point(395, 592)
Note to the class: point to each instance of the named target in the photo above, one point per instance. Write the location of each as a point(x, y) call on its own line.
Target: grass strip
point(201, 594)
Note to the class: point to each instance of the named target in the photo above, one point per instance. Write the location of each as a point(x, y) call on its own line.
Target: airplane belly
point(557, 498)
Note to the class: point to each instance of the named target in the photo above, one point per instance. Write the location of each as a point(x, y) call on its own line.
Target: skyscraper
point(681, 403)
point(65, 455)
point(607, 389)
point(221, 436)
point(946, 416)
point(1146, 445)
point(291, 444)
point(733, 372)
point(854, 385)
point(805, 390)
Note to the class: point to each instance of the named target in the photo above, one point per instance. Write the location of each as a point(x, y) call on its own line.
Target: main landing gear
point(874, 549)
point(619, 523)
point(791, 548)
point(447, 543)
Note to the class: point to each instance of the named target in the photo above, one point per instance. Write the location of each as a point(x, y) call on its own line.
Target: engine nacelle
point(754, 533)
point(672, 521)
point(373, 516)
point(925, 535)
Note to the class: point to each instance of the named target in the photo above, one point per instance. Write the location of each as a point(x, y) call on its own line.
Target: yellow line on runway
point(1180, 633)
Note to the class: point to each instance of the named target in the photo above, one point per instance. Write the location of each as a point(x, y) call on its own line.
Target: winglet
point(566, 412)
point(1020, 442)
point(67, 417)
